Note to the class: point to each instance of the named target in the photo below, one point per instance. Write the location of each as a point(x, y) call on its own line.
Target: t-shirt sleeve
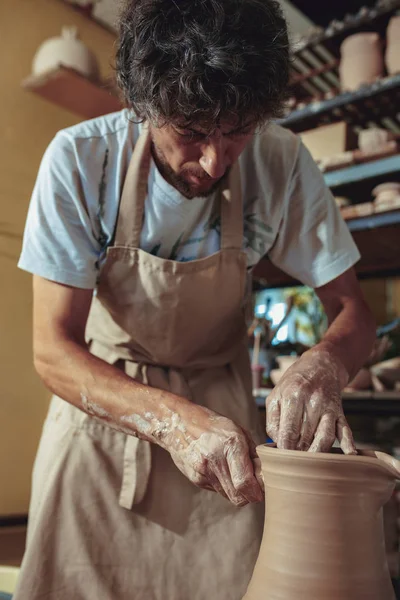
point(314, 244)
point(59, 243)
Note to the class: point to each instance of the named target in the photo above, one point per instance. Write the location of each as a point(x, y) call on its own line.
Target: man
point(144, 485)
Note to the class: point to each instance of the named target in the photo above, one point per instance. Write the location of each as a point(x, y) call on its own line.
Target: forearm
point(349, 339)
point(107, 393)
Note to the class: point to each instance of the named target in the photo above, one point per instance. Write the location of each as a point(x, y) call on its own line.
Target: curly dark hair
point(203, 61)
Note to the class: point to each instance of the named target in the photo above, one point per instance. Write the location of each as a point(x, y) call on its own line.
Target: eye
point(190, 136)
point(239, 133)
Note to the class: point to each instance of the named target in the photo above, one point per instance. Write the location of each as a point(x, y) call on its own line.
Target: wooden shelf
point(69, 89)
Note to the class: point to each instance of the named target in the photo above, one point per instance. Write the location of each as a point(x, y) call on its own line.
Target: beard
point(178, 180)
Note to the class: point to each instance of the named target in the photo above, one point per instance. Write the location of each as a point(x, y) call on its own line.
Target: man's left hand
point(304, 411)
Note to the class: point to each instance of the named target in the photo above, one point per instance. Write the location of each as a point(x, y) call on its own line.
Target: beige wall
point(394, 298)
point(375, 292)
point(27, 124)
point(383, 297)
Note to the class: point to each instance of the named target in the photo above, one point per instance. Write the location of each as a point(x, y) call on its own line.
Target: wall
point(298, 22)
point(376, 295)
point(394, 298)
point(27, 124)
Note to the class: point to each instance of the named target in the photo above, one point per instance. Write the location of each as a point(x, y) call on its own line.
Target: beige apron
point(111, 516)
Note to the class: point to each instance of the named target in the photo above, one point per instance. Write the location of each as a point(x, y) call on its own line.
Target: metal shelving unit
point(375, 221)
point(375, 18)
point(355, 173)
point(318, 101)
point(315, 73)
point(376, 103)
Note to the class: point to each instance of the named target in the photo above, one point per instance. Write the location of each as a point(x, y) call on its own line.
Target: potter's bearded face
point(195, 160)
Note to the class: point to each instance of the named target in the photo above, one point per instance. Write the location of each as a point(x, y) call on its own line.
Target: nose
point(214, 159)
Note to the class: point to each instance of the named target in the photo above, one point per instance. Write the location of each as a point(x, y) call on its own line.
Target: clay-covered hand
point(304, 411)
point(214, 454)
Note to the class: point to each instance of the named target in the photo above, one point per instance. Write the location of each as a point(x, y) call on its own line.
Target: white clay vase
point(392, 56)
point(66, 50)
point(361, 60)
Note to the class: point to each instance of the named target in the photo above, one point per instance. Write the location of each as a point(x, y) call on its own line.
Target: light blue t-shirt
point(289, 213)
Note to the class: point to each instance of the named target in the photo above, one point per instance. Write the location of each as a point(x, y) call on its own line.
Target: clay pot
point(374, 139)
point(387, 197)
point(392, 56)
point(386, 191)
point(362, 60)
point(342, 201)
point(323, 531)
point(388, 372)
point(66, 50)
point(284, 363)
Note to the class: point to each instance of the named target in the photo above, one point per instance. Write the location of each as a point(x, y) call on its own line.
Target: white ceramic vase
point(66, 50)
point(361, 60)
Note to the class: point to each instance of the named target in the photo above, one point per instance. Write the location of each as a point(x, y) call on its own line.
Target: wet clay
point(323, 533)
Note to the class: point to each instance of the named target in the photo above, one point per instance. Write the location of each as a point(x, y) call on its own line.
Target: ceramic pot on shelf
point(392, 57)
point(361, 60)
point(323, 531)
point(374, 139)
point(387, 196)
point(66, 50)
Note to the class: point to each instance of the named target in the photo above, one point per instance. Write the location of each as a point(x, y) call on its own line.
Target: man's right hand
point(214, 453)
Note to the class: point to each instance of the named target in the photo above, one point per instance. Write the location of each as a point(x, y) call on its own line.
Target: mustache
point(203, 176)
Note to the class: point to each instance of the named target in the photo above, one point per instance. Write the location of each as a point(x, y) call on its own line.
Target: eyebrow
point(197, 132)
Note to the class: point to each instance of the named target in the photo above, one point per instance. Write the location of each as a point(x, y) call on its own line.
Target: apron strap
point(137, 454)
point(232, 211)
point(130, 217)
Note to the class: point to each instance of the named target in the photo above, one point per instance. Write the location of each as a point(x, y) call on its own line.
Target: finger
point(306, 434)
point(242, 473)
point(251, 443)
point(273, 418)
point(291, 419)
point(345, 436)
point(325, 434)
point(255, 460)
point(206, 479)
point(222, 474)
point(258, 473)
point(215, 486)
point(310, 422)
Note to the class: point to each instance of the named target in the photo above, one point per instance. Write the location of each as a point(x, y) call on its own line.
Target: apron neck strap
point(130, 215)
point(232, 211)
point(134, 192)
